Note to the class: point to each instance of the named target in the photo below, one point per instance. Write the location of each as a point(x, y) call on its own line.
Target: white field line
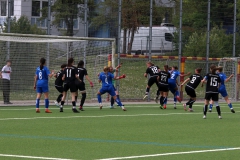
point(105, 107)
point(173, 153)
point(32, 157)
point(103, 116)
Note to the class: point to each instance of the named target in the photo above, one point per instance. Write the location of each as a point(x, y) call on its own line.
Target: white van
point(162, 37)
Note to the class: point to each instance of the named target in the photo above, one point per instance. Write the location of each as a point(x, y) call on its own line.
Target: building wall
point(24, 7)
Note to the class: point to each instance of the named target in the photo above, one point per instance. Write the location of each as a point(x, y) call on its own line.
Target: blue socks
point(230, 105)
point(46, 103)
point(99, 98)
point(210, 106)
point(119, 102)
point(37, 103)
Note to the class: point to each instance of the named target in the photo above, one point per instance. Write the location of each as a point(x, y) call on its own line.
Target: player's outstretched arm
point(186, 80)
point(187, 74)
point(203, 81)
point(229, 77)
point(120, 77)
point(51, 74)
point(87, 77)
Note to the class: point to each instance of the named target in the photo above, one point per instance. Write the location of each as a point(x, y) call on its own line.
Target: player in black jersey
point(193, 82)
point(162, 78)
point(69, 77)
point(59, 84)
point(213, 82)
point(81, 72)
point(153, 73)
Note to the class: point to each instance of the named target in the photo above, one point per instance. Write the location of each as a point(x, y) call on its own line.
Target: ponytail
point(42, 63)
point(70, 62)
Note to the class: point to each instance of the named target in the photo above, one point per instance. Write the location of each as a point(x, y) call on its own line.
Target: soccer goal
point(25, 51)
point(231, 66)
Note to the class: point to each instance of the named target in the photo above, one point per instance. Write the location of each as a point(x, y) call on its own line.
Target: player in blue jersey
point(106, 78)
point(222, 89)
point(112, 70)
point(41, 84)
point(172, 83)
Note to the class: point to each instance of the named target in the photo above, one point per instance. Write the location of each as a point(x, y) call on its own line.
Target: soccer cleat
point(190, 109)
point(209, 110)
point(164, 106)
point(161, 107)
point(112, 107)
point(75, 110)
point(56, 103)
point(179, 99)
point(124, 109)
point(47, 111)
point(156, 99)
point(175, 107)
point(184, 107)
point(61, 109)
point(100, 107)
point(146, 95)
point(219, 117)
point(232, 110)
point(37, 110)
point(81, 108)
point(204, 116)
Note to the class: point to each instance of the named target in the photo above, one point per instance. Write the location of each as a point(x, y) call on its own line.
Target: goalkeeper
point(112, 70)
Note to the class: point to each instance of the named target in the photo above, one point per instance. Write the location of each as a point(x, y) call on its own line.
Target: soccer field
point(142, 132)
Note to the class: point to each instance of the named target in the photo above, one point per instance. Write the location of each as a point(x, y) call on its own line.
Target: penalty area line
point(173, 153)
point(32, 157)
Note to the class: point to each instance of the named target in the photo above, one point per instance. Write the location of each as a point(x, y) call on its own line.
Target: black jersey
point(59, 81)
point(81, 72)
point(195, 80)
point(70, 74)
point(163, 77)
point(152, 71)
point(213, 82)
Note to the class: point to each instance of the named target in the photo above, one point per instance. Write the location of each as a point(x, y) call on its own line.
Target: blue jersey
point(106, 78)
point(174, 76)
point(42, 76)
point(223, 77)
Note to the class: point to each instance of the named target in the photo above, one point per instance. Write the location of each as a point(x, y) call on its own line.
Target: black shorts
point(71, 86)
point(59, 88)
point(80, 86)
point(191, 92)
point(163, 88)
point(213, 96)
point(152, 80)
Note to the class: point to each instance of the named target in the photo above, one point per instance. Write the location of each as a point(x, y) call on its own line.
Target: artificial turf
point(108, 133)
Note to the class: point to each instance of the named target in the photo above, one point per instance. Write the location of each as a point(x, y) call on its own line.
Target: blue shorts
point(223, 91)
point(172, 86)
point(114, 88)
point(43, 89)
point(108, 89)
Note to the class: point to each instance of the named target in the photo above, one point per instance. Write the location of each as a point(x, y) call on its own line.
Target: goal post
point(25, 51)
point(231, 65)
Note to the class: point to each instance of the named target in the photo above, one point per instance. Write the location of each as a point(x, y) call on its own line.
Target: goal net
point(230, 66)
point(25, 52)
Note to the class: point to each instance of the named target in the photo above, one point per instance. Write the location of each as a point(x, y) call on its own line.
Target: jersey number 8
point(40, 75)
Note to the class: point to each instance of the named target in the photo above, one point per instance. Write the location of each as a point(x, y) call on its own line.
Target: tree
point(67, 11)
point(135, 13)
point(23, 25)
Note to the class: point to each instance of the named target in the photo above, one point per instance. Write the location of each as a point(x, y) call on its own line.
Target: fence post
point(182, 70)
